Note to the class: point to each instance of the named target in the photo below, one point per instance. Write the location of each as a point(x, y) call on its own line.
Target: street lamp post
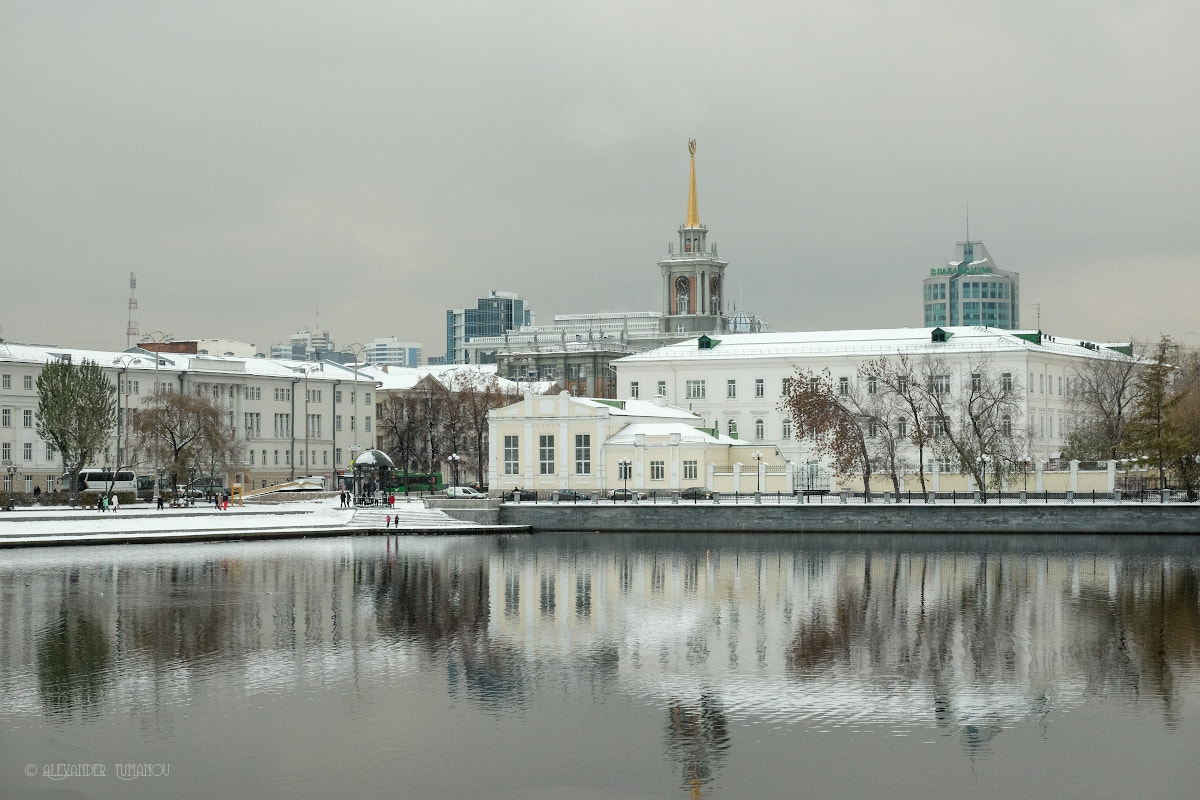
point(357, 349)
point(123, 389)
point(157, 337)
point(758, 457)
point(307, 368)
point(453, 458)
point(10, 482)
point(625, 464)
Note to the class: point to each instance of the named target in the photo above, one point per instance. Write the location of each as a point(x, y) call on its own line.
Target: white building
point(291, 418)
point(545, 443)
point(738, 383)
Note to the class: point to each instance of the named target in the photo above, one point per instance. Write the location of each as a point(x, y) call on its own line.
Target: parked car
point(624, 494)
point(569, 496)
point(462, 491)
point(695, 493)
point(513, 495)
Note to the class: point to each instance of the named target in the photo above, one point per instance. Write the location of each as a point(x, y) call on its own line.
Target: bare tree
point(975, 418)
point(179, 427)
point(895, 380)
point(398, 421)
point(475, 394)
point(833, 421)
point(1102, 393)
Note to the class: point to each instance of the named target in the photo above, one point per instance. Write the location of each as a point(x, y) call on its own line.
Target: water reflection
point(968, 637)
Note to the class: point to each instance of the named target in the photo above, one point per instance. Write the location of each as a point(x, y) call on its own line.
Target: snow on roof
point(687, 433)
point(870, 342)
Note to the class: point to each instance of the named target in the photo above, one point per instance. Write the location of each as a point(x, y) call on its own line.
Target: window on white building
point(731, 389)
point(695, 390)
point(511, 455)
point(787, 427)
point(760, 430)
point(633, 389)
point(583, 454)
point(546, 454)
point(657, 470)
point(691, 470)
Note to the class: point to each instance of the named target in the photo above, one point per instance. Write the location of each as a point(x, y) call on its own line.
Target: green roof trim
point(1036, 338)
point(620, 404)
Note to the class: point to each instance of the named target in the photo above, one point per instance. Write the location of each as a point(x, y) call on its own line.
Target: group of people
point(346, 500)
point(103, 503)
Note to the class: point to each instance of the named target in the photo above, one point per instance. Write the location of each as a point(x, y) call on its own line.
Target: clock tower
point(693, 278)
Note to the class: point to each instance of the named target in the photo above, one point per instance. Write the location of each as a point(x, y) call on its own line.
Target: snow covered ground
point(143, 523)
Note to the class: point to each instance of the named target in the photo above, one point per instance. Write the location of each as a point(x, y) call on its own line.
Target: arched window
point(732, 429)
point(1006, 425)
point(787, 427)
point(759, 430)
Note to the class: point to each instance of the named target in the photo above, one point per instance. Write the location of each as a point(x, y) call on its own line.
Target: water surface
point(590, 666)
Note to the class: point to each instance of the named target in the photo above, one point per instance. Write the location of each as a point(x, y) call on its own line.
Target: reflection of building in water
point(284, 622)
point(946, 639)
point(703, 630)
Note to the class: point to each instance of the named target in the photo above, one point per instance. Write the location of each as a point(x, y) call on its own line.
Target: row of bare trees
point(900, 407)
point(420, 427)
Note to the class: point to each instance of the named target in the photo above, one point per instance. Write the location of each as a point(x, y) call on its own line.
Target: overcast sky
point(266, 166)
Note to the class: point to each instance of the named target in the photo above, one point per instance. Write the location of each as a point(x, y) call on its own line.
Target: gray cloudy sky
point(257, 164)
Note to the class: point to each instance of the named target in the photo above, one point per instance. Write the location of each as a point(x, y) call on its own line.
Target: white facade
point(544, 443)
point(283, 430)
point(739, 384)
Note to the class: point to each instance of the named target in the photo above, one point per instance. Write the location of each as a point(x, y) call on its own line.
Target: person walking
point(116, 503)
point(104, 503)
point(160, 501)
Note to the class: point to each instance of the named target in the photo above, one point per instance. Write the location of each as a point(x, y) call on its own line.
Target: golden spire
point(693, 213)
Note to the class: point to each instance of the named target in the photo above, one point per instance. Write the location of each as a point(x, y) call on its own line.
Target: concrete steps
point(412, 516)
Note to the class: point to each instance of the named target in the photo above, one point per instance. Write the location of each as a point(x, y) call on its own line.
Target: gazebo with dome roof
point(371, 468)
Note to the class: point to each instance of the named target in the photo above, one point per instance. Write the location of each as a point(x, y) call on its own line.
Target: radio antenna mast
point(131, 329)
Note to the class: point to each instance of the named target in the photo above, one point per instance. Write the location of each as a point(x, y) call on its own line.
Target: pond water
point(604, 666)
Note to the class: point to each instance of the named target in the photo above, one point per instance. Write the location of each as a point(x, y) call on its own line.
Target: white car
point(462, 491)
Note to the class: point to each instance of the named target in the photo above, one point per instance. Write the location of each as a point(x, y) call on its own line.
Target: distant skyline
point(363, 168)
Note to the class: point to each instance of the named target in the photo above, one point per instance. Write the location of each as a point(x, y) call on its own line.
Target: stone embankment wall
point(874, 518)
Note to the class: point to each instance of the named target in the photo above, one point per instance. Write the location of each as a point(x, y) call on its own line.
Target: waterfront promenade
point(41, 526)
point(322, 517)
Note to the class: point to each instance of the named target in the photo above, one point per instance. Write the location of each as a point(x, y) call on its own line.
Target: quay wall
point(872, 518)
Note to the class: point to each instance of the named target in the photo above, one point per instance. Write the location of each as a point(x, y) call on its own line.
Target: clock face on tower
point(682, 286)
